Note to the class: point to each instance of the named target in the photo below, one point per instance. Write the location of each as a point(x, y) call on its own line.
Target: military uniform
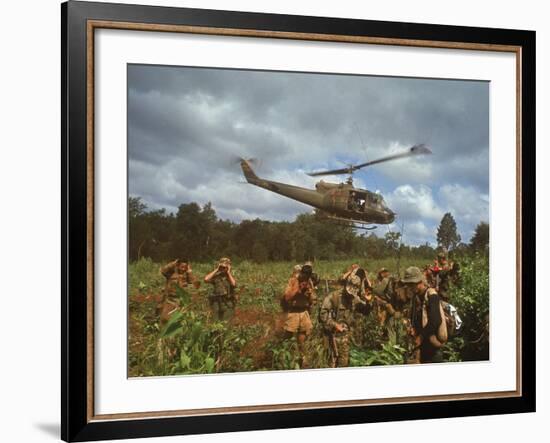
point(382, 289)
point(223, 292)
point(340, 307)
point(427, 320)
point(444, 273)
point(177, 276)
point(299, 298)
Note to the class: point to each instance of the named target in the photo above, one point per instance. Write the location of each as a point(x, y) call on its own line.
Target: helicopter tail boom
point(308, 196)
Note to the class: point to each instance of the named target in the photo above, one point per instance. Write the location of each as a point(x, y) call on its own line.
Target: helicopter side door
point(336, 200)
point(357, 201)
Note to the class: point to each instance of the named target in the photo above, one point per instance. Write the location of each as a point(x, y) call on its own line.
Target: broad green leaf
point(185, 360)
point(209, 365)
point(173, 327)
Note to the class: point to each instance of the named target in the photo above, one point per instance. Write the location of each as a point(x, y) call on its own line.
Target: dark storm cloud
point(187, 126)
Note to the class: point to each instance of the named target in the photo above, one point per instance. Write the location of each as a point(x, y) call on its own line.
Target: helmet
point(354, 283)
point(224, 261)
point(413, 275)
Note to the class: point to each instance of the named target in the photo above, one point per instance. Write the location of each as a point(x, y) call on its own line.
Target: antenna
point(399, 250)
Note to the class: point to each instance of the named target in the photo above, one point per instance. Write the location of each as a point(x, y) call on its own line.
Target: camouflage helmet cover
point(354, 284)
point(413, 275)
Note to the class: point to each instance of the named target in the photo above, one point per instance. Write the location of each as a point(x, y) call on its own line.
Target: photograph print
point(298, 220)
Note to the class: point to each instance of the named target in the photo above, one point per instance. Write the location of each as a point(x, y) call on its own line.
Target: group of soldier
point(417, 304)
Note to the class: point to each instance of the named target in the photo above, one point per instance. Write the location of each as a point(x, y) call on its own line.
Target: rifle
point(333, 349)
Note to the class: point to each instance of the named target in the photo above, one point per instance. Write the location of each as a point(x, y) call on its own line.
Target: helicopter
point(341, 202)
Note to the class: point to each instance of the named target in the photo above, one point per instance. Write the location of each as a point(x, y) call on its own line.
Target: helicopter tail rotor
point(248, 172)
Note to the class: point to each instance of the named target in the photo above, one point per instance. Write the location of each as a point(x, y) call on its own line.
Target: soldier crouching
point(337, 316)
point(223, 292)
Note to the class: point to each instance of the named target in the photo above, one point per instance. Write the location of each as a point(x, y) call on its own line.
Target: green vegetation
point(198, 233)
point(193, 342)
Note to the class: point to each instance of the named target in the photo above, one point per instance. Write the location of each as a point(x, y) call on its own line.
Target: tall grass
point(194, 342)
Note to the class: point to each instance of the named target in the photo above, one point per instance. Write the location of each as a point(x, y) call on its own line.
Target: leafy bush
point(390, 354)
point(471, 298)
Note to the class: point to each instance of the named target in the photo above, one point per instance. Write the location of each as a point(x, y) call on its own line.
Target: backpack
point(442, 335)
point(453, 320)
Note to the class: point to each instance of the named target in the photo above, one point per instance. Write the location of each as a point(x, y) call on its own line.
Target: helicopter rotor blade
point(419, 149)
point(331, 172)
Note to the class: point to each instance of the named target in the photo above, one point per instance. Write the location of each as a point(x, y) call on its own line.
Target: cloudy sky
point(186, 126)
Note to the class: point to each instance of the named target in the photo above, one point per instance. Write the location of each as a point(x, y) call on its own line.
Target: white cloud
point(421, 210)
point(410, 170)
point(468, 206)
point(186, 124)
point(414, 202)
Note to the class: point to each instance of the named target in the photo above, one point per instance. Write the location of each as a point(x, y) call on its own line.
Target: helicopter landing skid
point(356, 224)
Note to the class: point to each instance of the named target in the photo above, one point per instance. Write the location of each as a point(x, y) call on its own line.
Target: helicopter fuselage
point(337, 200)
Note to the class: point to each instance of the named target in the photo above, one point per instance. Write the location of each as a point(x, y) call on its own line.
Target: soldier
point(444, 272)
point(343, 278)
point(337, 315)
point(223, 293)
point(383, 302)
point(298, 300)
point(428, 326)
point(178, 274)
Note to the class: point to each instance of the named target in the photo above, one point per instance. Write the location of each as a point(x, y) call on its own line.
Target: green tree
point(135, 207)
point(447, 235)
point(392, 240)
point(480, 240)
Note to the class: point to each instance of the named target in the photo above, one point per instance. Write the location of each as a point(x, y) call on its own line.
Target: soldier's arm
point(189, 276)
point(347, 273)
point(368, 283)
point(231, 279)
point(209, 276)
point(292, 288)
point(169, 269)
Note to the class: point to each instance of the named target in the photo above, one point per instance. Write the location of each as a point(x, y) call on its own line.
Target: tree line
point(195, 232)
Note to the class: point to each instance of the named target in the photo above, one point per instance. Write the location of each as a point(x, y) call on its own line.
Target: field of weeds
point(250, 339)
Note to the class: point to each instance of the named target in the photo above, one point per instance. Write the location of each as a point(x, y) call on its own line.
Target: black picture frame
point(76, 422)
